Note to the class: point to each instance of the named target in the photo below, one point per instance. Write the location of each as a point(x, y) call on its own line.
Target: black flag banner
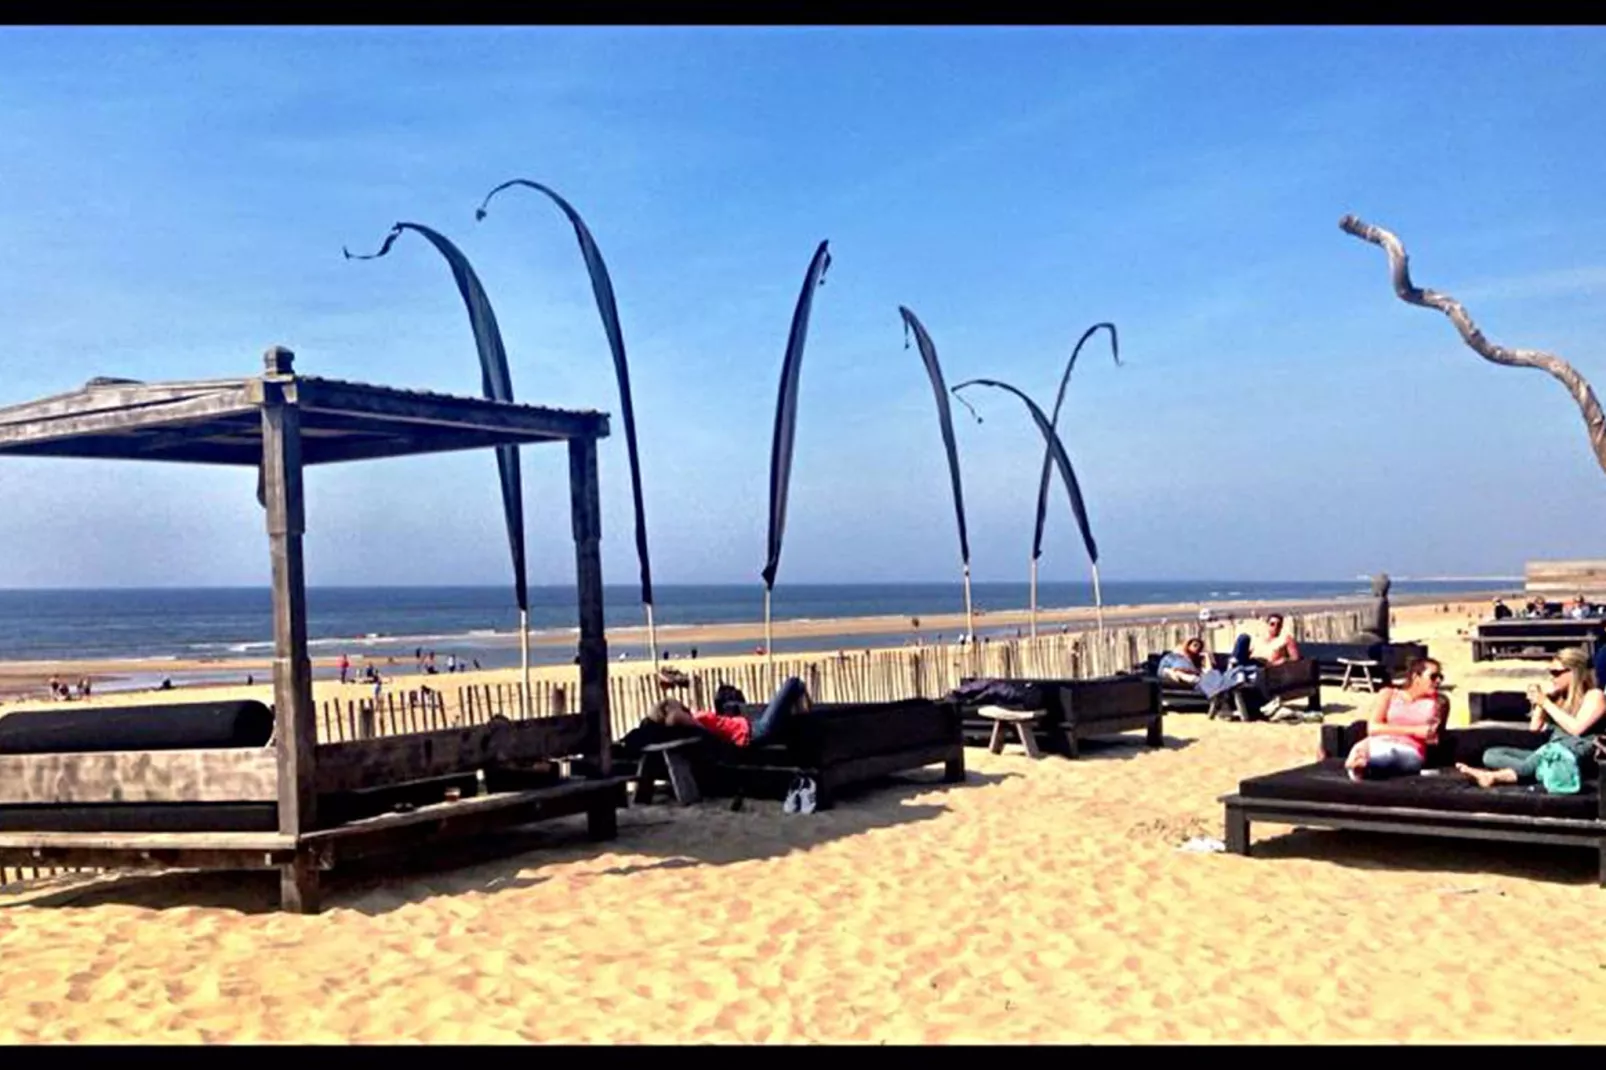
point(608, 309)
point(786, 409)
point(1056, 450)
point(928, 354)
point(1054, 420)
point(497, 383)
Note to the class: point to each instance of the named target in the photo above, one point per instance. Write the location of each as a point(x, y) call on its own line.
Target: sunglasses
point(1557, 672)
point(1436, 677)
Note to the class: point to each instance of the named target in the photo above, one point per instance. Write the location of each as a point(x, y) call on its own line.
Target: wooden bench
point(1025, 730)
point(669, 761)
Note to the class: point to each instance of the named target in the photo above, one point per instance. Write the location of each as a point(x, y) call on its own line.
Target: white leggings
point(1387, 757)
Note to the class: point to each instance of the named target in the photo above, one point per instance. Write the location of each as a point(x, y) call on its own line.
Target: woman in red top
point(793, 697)
point(1403, 722)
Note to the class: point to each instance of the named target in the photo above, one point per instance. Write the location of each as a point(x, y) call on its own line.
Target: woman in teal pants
point(1572, 704)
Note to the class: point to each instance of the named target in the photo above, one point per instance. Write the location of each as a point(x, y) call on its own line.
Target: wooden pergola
point(279, 423)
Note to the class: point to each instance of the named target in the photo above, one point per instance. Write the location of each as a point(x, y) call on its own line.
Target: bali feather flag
point(1048, 457)
point(1062, 461)
point(928, 354)
point(786, 429)
point(498, 386)
point(608, 309)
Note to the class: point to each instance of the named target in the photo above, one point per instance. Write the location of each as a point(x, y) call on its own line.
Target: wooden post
point(585, 506)
point(295, 717)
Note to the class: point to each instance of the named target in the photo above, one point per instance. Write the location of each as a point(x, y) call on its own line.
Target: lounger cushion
point(187, 726)
point(1327, 782)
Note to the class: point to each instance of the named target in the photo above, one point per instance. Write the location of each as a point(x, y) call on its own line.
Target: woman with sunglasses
point(1404, 721)
point(1572, 704)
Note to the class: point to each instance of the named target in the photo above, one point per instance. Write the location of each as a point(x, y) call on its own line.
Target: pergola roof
point(220, 421)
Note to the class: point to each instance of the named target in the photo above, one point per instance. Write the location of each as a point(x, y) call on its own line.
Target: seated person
point(1575, 721)
point(1403, 722)
point(1501, 610)
point(738, 731)
point(1577, 609)
point(1185, 665)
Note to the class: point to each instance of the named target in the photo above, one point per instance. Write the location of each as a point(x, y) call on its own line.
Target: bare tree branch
point(1400, 271)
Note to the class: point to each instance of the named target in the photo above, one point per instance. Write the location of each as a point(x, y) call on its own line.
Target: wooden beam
point(398, 440)
point(190, 776)
point(117, 421)
point(328, 396)
point(146, 841)
point(371, 763)
point(295, 717)
point(121, 396)
point(585, 507)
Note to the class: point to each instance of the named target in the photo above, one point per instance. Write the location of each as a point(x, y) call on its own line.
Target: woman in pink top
point(1403, 722)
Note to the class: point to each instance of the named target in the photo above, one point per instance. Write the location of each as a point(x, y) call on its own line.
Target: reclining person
point(1185, 665)
point(1403, 723)
point(738, 731)
point(1276, 648)
point(1575, 722)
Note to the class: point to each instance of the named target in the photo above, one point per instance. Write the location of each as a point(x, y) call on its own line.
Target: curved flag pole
point(608, 309)
point(498, 386)
point(1048, 460)
point(785, 433)
point(928, 354)
point(1062, 461)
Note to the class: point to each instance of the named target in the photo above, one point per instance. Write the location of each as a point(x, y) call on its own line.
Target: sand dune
point(1042, 901)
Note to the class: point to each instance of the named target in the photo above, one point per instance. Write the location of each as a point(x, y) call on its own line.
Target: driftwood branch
point(1400, 272)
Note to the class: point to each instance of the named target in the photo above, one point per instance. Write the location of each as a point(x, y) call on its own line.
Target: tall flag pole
point(785, 433)
point(498, 386)
point(928, 355)
point(608, 309)
point(1062, 461)
point(1048, 460)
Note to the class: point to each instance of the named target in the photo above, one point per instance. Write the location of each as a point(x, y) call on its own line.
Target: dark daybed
point(1392, 658)
point(837, 745)
point(1071, 710)
point(1441, 803)
point(1536, 638)
point(1287, 682)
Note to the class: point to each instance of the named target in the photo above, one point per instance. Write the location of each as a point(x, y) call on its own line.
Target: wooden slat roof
point(219, 421)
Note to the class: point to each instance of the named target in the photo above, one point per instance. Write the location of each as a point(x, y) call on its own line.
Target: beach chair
point(842, 745)
point(1069, 710)
point(1437, 803)
point(1288, 682)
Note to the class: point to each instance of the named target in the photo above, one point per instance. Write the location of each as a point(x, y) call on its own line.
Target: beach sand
point(1039, 902)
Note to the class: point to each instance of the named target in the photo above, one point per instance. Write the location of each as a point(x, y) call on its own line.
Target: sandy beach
point(1042, 901)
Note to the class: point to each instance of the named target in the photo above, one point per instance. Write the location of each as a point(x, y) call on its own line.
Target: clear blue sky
point(176, 200)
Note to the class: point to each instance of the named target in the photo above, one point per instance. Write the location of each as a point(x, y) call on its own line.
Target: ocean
point(482, 622)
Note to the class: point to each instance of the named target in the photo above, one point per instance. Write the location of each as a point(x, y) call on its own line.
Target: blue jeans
point(768, 724)
point(1387, 757)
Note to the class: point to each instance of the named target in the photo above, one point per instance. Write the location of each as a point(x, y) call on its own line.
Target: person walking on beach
point(345, 669)
point(1403, 723)
point(1573, 705)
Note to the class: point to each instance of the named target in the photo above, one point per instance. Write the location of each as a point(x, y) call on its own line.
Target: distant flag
point(928, 354)
point(1067, 475)
point(607, 307)
point(1059, 400)
point(497, 383)
point(786, 425)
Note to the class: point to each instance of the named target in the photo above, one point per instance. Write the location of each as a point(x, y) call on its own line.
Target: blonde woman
point(1572, 704)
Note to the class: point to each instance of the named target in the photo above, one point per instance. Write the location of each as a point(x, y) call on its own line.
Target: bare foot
point(1484, 777)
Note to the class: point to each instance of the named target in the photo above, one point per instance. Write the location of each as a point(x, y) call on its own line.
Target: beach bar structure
point(295, 805)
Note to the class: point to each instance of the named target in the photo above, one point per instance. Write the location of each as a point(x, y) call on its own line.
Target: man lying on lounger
point(738, 731)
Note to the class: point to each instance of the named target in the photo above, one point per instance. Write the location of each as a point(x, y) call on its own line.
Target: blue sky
point(176, 200)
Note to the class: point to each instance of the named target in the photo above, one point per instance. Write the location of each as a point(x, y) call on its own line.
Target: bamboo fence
point(873, 675)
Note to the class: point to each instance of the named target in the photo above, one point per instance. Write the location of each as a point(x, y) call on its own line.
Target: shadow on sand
point(672, 837)
point(1468, 859)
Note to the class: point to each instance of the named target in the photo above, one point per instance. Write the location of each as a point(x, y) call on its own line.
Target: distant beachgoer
point(451, 663)
point(791, 698)
point(476, 664)
point(694, 653)
point(250, 680)
point(345, 669)
point(1501, 610)
point(1575, 721)
point(167, 684)
point(1403, 722)
point(83, 687)
point(379, 684)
